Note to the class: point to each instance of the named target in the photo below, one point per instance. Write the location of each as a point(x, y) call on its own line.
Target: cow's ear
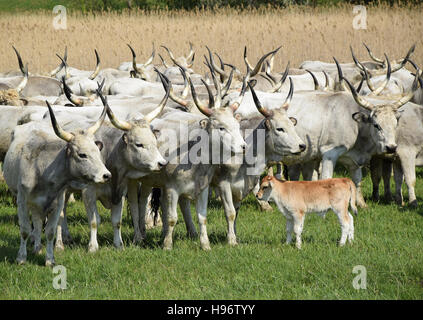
point(99, 145)
point(125, 138)
point(204, 123)
point(238, 117)
point(294, 120)
point(156, 133)
point(268, 124)
point(398, 114)
point(68, 150)
point(360, 117)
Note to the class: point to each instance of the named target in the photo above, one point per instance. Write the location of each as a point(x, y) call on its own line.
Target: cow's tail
point(155, 202)
point(353, 197)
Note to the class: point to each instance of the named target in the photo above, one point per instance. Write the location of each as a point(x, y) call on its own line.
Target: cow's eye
point(82, 155)
point(280, 129)
point(139, 145)
point(377, 127)
point(222, 129)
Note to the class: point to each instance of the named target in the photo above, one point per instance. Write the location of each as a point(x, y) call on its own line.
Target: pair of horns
point(266, 112)
point(67, 136)
point(124, 125)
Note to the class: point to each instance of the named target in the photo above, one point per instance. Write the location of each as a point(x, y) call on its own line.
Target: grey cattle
point(128, 155)
point(38, 168)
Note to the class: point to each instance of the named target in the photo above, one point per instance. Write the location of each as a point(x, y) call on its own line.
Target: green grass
point(389, 243)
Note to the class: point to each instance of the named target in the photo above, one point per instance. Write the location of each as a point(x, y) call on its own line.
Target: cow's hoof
point(50, 263)
point(37, 249)
point(59, 246)
point(413, 204)
point(92, 248)
point(20, 261)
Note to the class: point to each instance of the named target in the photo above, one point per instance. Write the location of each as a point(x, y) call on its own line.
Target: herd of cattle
point(164, 122)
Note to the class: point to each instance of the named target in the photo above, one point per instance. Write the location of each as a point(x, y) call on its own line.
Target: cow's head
point(139, 142)
point(281, 136)
point(221, 123)
point(383, 118)
point(84, 159)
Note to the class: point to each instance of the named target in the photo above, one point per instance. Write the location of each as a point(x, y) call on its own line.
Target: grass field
point(304, 33)
point(388, 243)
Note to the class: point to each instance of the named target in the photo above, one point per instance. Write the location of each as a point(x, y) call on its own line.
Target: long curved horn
point(380, 61)
point(62, 134)
point(163, 62)
point(24, 81)
point(221, 72)
point(21, 65)
point(99, 122)
point(408, 55)
point(316, 83)
point(61, 65)
point(360, 100)
point(378, 90)
point(203, 109)
point(65, 65)
point(257, 68)
point(228, 84)
point(340, 75)
point(69, 94)
point(357, 63)
point(97, 66)
point(288, 99)
point(191, 52)
point(151, 58)
point(326, 88)
point(282, 80)
point(134, 62)
point(265, 112)
point(172, 57)
point(154, 113)
point(406, 98)
point(120, 124)
point(235, 105)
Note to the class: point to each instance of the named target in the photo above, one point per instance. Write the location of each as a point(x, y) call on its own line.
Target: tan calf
point(296, 198)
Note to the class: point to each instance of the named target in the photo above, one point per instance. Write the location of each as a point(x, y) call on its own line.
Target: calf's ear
point(125, 138)
point(360, 117)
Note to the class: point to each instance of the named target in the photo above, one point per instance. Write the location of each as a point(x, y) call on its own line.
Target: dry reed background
point(304, 33)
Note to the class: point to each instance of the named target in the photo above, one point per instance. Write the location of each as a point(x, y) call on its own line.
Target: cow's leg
point(230, 212)
point(408, 164)
point(399, 179)
point(89, 197)
point(264, 205)
point(169, 206)
point(294, 172)
point(142, 209)
point(308, 170)
point(133, 207)
point(117, 223)
point(376, 173)
point(24, 226)
point(66, 236)
point(386, 174)
point(37, 221)
point(149, 216)
point(357, 176)
point(279, 174)
point(329, 160)
point(185, 205)
point(51, 227)
point(201, 209)
point(298, 227)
